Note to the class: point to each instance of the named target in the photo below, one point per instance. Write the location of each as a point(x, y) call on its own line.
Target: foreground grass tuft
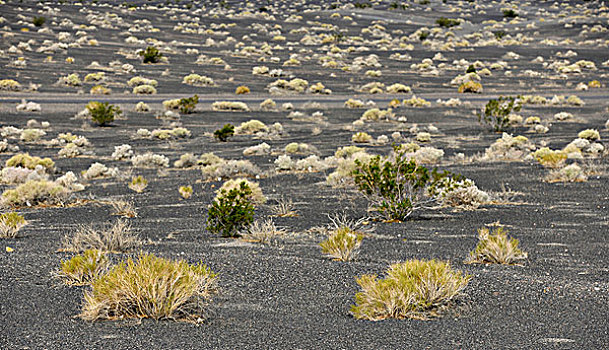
point(495, 247)
point(84, 269)
point(342, 244)
point(412, 289)
point(151, 287)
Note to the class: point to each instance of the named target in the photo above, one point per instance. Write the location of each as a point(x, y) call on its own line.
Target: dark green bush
point(103, 113)
point(423, 36)
point(499, 34)
point(39, 21)
point(496, 112)
point(509, 14)
point(225, 132)
point(471, 69)
point(231, 211)
point(394, 186)
point(188, 104)
point(447, 22)
point(151, 55)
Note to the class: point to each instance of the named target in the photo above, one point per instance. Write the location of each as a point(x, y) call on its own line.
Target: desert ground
point(321, 77)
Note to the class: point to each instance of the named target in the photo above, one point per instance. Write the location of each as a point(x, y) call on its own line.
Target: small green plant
point(496, 112)
point(550, 158)
point(151, 287)
point(10, 224)
point(185, 191)
point(362, 5)
point(84, 269)
point(151, 55)
point(138, 184)
point(495, 247)
point(471, 69)
point(103, 113)
point(187, 105)
point(447, 22)
point(231, 211)
point(394, 186)
point(225, 132)
point(39, 21)
point(423, 35)
point(509, 14)
point(413, 289)
point(499, 34)
point(342, 244)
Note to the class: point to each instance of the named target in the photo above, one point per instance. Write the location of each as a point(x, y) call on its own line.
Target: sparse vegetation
point(138, 184)
point(495, 247)
point(231, 211)
point(224, 133)
point(496, 112)
point(342, 244)
point(10, 224)
point(118, 237)
point(103, 113)
point(85, 268)
point(151, 55)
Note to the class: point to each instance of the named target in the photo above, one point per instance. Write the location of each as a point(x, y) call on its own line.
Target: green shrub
point(496, 112)
point(187, 105)
point(151, 55)
point(151, 287)
point(39, 21)
point(231, 211)
point(225, 132)
point(35, 192)
point(394, 186)
point(509, 14)
point(447, 22)
point(499, 34)
point(423, 35)
point(471, 69)
point(103, 113)
point(24, 160)
point(84, 269)
point(412, 289)
point(342, 244)
point(494, 247)
point(10, 224)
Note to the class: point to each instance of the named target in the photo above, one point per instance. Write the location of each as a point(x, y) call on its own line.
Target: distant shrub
point(225, 132)
point(144, 90)
point(415, 289)
point(185, 191)
point(138, 184)
point(150, 287)
point(116, 238)
point(229, 106)
point(342, 244)
point(150, 160)
point(496, 112)
point(470, 86)
point(509, 14)
point(494, 247)
point(187, 105)
point(151, 55)
point(230, 168)
point(256, 196)
point(550, 158)
point(262, 232)
point(24, 160)
point(84, 269)
point(394, 187)
point(103, 113)
point(231, 211)
point(241, 90)
point(447, 22)
point(10, 224)
point(38, 21)
point(35, 192)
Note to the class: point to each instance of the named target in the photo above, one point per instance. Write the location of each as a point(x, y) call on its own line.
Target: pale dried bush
point(116, 238)
point(262, 231)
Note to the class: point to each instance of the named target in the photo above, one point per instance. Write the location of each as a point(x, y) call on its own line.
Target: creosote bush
point(495, 113)
point(38, 21)
point(495, 247)
point(84, 269)
point(231, 211)
point(225, 132)
point(342, 244)
point(10, 224)
point(151, 287)
point(35, 192)
point(415, 289)
point(151, 55)
point(103, 113)
point(187, 105)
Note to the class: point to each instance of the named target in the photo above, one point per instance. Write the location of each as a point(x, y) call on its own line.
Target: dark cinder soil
point(287, 295)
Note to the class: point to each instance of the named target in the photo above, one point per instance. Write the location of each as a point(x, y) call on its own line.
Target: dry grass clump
point(229, 106)
point(569, 173)
point(416, 289)
point(151, 287)
point(10, 224)
point(495, 247)
point(35, 192)
point(84, 269)
point(116, 238)
point(124, 209)
point(342, 244)
point(262, 231)
point(284, 208)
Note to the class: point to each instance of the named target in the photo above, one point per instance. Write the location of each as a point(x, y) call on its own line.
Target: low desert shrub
point(342, 244)
point(470, 86)
point(569, 173)
point(38, 21)
point(412, 289)
point(138, 184)
point(151, 287)
point(284, 208)
point(150, 160)
point(35, 192)
point(242, 90)
point(116, 238)
point(447, 22)
point(495, 113)
point(123, 208)
point(10, 224)
point(185, 191)
point(187, 105)
point(231, 211)
point(495, 247)
point(151, 55)
point(225, 132)
point(550, 158)
point(84, 269)
point(395, 187)
point(262, 231)
point(256, 196)
point(103, 113)
point(24, 160)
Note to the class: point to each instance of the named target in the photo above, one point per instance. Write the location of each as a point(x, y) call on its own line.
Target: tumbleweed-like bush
point(116, 238)
point(495, 247)
point(151, 287)
point(413, 289)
